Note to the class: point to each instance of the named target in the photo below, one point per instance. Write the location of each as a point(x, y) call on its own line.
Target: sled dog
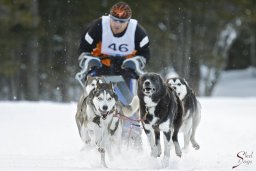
point(99, 124)
point(160, 110)
point(90, 84)
point(192, 110)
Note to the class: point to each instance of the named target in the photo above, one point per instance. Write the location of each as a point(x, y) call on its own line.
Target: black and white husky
point(96, 119)
point(192, 110)
point(160, 110)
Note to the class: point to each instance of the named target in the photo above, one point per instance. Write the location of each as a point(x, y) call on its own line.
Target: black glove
point(136, 63)
point(86, 60)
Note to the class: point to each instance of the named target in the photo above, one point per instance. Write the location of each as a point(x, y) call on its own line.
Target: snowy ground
point(43, 136)
point(239, 83)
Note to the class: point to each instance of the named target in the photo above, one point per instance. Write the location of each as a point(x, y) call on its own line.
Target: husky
point(98, 121)
point(90, 84)
point(160, 110)
point(192, 110)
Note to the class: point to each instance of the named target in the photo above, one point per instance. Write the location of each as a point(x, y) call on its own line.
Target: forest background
point(198, 39)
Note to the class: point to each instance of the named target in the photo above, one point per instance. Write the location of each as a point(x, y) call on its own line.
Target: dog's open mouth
point(149, 90)
point(104, 114)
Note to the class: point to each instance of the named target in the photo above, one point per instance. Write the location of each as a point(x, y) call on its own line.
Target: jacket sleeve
point(142, 43)
point(91, 37)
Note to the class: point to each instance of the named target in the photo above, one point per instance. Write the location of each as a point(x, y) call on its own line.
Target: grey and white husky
point(90, 84)
point(96, 118)
point(192, 110)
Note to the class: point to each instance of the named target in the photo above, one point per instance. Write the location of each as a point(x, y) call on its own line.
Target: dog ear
point(98, 83)
point(115, 96)
point(114, 85)
point(110, 85)
point(188, 87)
point(160, 78)
point(101, 78)
point(92, 93)
point(185, 81)
point(167, 82)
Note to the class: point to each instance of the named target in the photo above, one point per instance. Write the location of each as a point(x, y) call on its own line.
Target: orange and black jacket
point(94, 29)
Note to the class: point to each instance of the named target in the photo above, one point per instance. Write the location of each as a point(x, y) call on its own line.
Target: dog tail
point(130, 109)
point(80, 117)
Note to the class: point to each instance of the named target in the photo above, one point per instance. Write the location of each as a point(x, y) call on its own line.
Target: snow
point(239, 83)
point(43, 136)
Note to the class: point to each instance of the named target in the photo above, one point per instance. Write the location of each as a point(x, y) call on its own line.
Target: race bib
point(118, 46)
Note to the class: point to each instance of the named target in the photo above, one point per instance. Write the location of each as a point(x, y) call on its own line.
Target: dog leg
point(187, 133)
point(109, 146)
point(85, 135)
point(176, 144)
point(157, 144)
point(187, 136)
point(157, 151)
point(101, 150)
point(195, 145)
point(167, 149)
point(177, 124)
point(151, 141)
point(103, 157)
point(101, 138)
point(79, 120)
point(195, 123)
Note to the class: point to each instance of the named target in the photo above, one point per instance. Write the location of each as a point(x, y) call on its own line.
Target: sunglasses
point(119, 20)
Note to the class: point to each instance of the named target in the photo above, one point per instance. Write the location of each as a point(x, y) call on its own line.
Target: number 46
point(121, 48)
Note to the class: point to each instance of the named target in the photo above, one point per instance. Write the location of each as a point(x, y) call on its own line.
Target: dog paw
point(177, 149)
point(165, 162)
point(178, 152)
point(103, 163)
point(87, 141)
point(196, 146)
point(101, 150)
point(156, 152)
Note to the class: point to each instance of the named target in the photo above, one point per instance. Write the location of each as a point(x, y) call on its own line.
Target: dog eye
point(99, 98)
point(179, 84)
point(109, 99)
point(93, 84)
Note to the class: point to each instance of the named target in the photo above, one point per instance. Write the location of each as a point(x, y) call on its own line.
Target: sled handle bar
point(136, 63)
point(84, 64)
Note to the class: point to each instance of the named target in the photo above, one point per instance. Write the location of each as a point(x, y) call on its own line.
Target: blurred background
point(198, 39)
